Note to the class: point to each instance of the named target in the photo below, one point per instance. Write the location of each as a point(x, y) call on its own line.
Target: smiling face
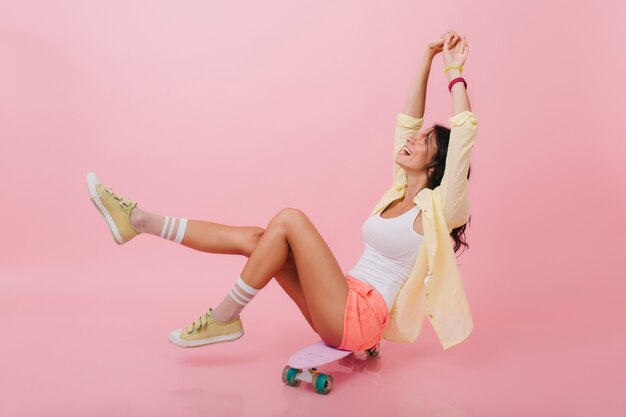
point(422, 149)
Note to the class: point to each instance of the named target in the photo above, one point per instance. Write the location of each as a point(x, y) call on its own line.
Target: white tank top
point(391, 247)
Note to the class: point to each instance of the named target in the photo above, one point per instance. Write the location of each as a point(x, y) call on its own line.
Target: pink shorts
point(365, 317)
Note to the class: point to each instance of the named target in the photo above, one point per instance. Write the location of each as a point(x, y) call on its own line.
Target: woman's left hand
point(455, 55)
point(437, 46)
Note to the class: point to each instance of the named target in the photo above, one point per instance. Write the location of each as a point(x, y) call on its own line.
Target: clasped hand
point(454, 48)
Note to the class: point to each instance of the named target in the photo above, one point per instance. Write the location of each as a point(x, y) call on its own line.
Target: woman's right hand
point(437, 46)
point(455, 55)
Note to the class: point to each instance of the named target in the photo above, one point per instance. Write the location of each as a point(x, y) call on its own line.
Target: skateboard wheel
point(374, 351)
point(289, 376)
point(323, 383)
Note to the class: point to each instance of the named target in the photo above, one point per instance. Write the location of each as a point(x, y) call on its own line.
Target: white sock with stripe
point(173, 230)
point(238, 297)
point(167, 227)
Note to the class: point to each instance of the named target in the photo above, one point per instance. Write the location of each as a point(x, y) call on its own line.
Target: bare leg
point(212, 237)
point(322, 280)
point(200, 235)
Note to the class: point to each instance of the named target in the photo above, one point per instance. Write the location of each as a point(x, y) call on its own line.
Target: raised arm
point(456, 55)
point(452, 191)
point(416, 101)
point(405, 127)
point(410, 121)
point(463, 124)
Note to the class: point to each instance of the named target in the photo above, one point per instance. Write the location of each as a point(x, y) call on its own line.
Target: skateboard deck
point(302, 365)
point(315, 354)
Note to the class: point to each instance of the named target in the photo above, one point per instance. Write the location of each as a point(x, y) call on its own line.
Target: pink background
point(229, 112)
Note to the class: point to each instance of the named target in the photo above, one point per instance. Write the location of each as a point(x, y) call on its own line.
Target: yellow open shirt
point(434, 286)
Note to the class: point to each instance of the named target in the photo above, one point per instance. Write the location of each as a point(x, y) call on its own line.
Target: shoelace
point(123, 201)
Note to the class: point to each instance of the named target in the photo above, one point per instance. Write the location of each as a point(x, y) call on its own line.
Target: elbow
point(455, 206)
point(458, 215)
point(456, 222)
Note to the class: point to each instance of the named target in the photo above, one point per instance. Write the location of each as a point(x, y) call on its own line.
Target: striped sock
point(238, 297)
point(163, 226)
point(172, 230)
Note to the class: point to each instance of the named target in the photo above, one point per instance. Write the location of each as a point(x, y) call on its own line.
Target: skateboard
point(302, 365)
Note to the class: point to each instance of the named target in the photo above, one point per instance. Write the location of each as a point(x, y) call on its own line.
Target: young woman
point(348, 311)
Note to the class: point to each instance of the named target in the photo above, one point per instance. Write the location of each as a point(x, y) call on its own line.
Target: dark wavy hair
point(442, 135)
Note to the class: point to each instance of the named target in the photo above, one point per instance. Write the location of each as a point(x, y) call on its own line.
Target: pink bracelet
point(456, 80)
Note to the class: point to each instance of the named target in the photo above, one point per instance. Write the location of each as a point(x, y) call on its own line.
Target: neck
point(415, 184)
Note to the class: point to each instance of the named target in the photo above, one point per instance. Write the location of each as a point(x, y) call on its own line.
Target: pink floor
point(103, 351)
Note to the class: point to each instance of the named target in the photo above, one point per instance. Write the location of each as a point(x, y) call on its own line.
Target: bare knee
point(286, 216)
point(290, 214)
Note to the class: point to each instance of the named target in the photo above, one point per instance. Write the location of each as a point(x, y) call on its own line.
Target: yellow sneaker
point(206, 331)
point(114, 208)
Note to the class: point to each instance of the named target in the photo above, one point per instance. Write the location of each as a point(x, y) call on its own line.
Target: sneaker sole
point(92, 181)
point(176, 340)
